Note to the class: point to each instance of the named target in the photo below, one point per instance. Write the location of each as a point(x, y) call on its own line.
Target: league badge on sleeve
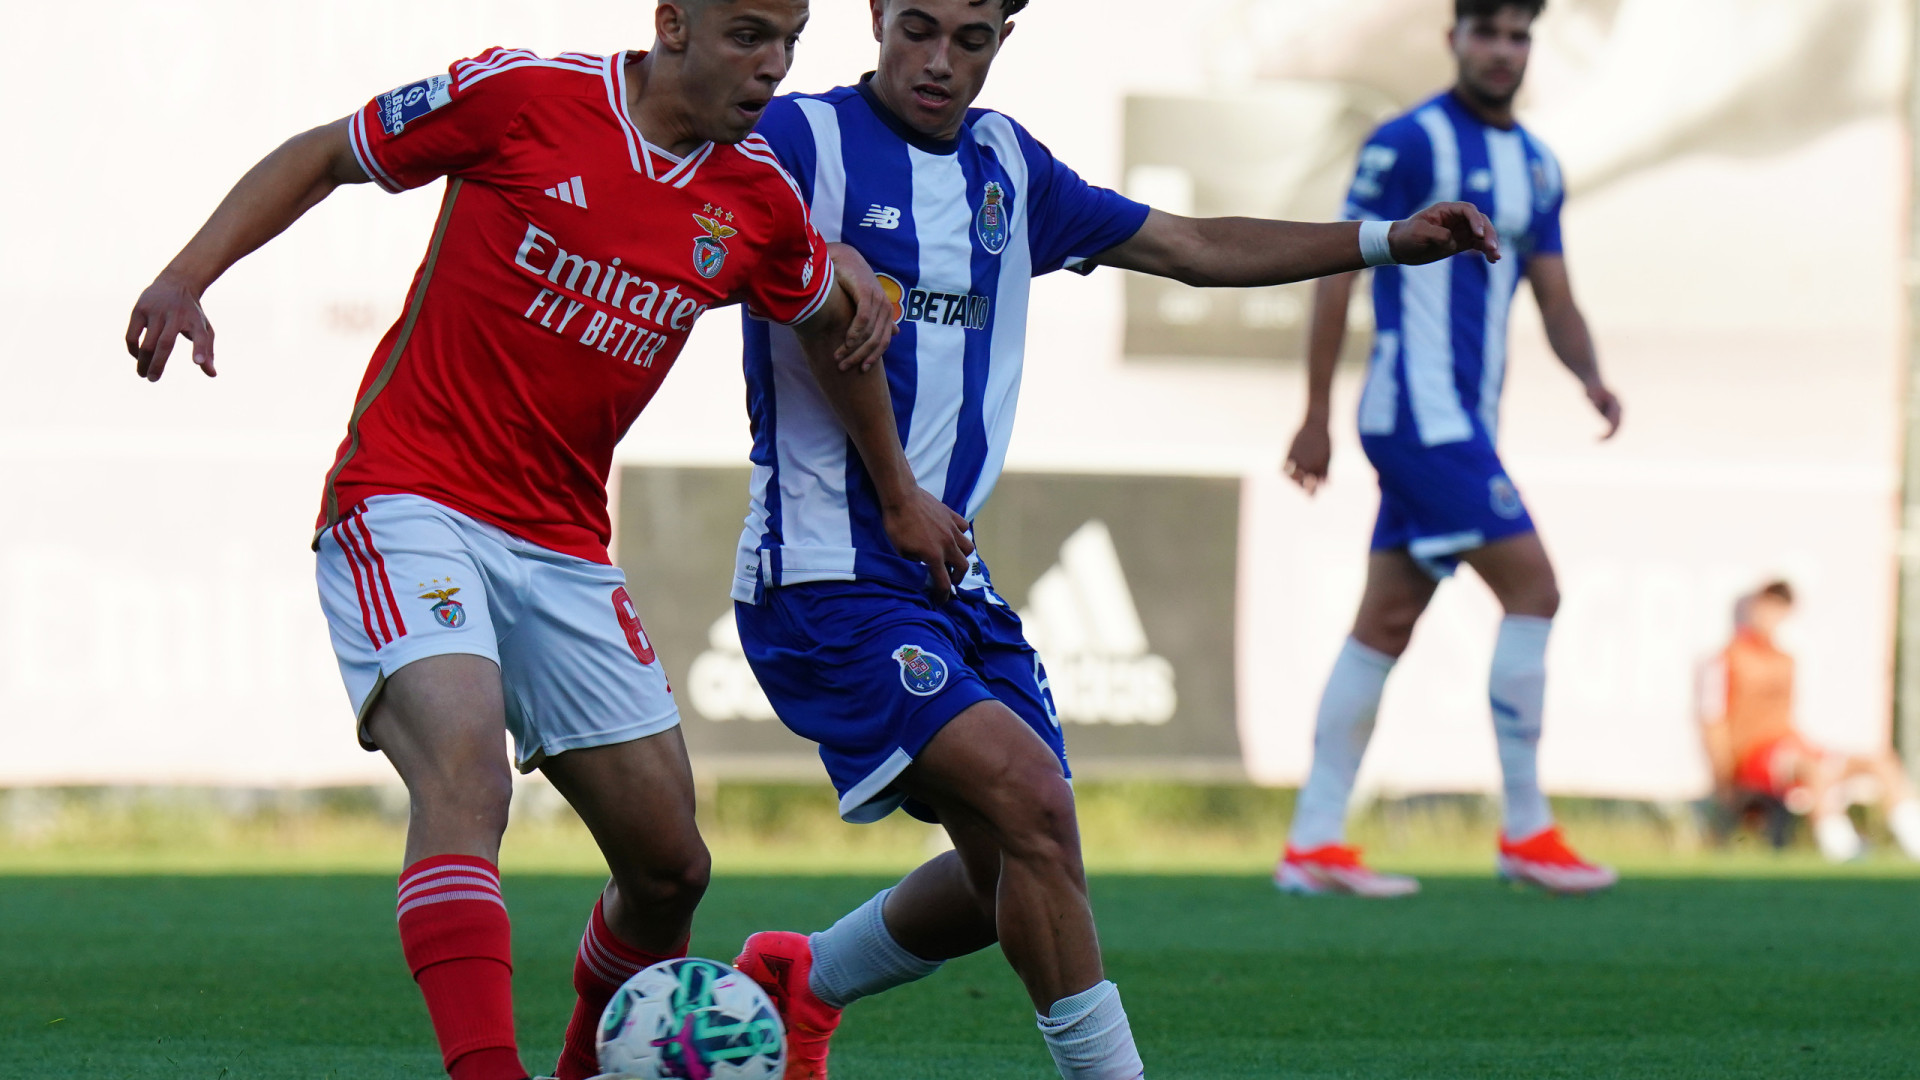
point(403, 106)
point(710, 251)
point(921, 672)
point(992, 221)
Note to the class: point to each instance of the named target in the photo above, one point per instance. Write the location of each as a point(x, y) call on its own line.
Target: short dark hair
point(1777, 590)
point(1483, 9)
point(1010, 8)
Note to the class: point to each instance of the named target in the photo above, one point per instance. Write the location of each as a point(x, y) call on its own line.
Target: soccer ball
point(691, 1019)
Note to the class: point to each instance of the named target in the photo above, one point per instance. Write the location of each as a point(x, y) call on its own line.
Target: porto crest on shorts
point(1505, 500)
point(992, 221)
point(921, 672)
point(710, 251)
point(448, 612)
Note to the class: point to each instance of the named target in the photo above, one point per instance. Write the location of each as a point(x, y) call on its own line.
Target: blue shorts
point(872, 671)
point(1437, 502)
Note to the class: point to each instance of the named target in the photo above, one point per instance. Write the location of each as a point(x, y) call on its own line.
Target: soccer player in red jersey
point(595, 207)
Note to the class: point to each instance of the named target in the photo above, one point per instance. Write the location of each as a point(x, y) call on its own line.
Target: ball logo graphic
point(691, 1019)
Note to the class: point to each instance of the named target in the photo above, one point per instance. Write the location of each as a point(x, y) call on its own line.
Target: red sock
point(603, 966)
point(458, 943)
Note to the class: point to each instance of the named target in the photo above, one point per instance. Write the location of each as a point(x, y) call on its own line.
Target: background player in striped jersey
point(595, 207)
point(1428, 419)
point(933, 700)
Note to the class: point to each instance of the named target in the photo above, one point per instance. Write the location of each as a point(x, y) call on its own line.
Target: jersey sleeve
point(1550, 192)
point(793, 276)
point(787, 134)
point(1070, 220)
point(1394, 179)
point(449, 124)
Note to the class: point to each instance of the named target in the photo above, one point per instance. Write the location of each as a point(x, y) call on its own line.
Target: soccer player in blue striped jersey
point(1429, 415)
point(915, 678)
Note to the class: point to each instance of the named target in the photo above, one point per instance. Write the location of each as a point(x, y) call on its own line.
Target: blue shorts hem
point(872, 797)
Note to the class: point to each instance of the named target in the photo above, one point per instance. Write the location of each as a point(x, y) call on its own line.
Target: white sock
point(1518, 691)
point(1905, 823)
point(1340, 736)
point(857, 957)
point(1835, 835)
point(1089, 1037)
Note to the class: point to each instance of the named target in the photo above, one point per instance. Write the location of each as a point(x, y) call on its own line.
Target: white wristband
point(1374, 247)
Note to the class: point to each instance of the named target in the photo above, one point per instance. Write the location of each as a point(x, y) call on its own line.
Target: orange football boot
point(1545, 860)
point(1336, 869)
point(780, 961)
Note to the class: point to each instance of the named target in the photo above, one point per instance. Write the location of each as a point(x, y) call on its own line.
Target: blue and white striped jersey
point(957, 230)
point(1440, 354)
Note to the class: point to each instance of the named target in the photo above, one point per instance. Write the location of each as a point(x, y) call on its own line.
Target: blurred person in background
point(1429, 418)
point(1754, 747)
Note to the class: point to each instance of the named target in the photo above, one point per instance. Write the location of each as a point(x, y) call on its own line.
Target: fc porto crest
point(921, 672)
point(1506, 501)
point(710, 251)
point(448, 612)
point(992, 220)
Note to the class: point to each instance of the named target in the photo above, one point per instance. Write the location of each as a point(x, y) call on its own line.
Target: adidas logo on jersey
point(721, 684)
point(1081, 618)
point(881, 217)
point(571, 192)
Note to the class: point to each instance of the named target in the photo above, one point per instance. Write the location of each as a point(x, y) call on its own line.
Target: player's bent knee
point(675, 884)
point(479, 806)
point(1038, 821)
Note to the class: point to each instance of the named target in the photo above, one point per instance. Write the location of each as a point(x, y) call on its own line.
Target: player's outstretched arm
point(1568, 334)
point(1252, 252)
point(269, 198)
point(921, 527)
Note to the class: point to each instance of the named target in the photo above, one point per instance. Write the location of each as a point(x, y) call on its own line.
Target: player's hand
point(925, 530)
point(1442, 231)
point(1309, 457)
point(1608, 406)
point(168, 310)
point(873, 325)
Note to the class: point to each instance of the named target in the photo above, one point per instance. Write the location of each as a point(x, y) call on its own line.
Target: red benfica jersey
point(569, 263)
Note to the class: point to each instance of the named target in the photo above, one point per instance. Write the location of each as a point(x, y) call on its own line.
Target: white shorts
point(403, 578)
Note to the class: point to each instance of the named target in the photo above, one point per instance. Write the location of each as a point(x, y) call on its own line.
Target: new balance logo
point(572, 192)
point(1081, 618)
point(881, 217)
point(721, 685)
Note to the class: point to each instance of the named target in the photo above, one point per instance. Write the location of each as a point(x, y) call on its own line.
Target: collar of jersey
point(639, 150)
point(899, 127)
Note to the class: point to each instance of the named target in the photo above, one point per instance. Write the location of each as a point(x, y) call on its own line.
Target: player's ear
point(1006, 31)
point(672, 24)
point(879, 8)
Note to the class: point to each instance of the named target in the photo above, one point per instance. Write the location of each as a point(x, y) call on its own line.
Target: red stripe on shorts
point(386, 583)
point(379, 612)
point(359, 586)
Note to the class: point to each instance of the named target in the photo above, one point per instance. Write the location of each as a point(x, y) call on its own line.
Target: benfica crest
point(710, 251)
point(992, 222)
point(449, 612)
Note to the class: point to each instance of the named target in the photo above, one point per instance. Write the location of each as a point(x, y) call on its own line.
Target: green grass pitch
point(300, 976)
